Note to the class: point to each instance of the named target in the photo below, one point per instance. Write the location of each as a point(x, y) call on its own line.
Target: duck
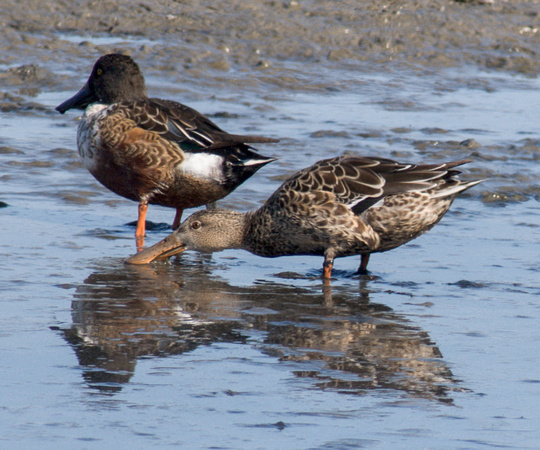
point(155, 151)
point(342, 206)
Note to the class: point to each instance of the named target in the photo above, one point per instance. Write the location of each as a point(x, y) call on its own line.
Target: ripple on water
point(228, 348)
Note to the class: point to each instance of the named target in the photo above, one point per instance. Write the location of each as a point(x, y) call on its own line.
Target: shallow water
point(439, 348)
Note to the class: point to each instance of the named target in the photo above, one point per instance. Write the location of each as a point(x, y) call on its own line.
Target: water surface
point(438, 348)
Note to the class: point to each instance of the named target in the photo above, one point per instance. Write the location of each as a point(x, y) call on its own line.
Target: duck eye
point(99, 71)
point(196, 225)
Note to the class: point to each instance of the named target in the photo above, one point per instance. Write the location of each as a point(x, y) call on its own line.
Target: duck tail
point(260, 161)
point(244, 155)
point(455, 188)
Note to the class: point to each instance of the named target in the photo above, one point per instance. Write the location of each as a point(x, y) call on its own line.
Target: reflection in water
point(121, 313)
point(342, 341)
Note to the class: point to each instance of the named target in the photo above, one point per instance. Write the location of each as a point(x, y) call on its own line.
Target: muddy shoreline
point(260, 38)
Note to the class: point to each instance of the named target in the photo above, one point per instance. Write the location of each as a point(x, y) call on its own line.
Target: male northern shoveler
point(338, 207)
point(155, 151)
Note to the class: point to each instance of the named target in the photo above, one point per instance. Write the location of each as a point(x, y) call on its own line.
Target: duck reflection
point(341, 340)
point(123, 313)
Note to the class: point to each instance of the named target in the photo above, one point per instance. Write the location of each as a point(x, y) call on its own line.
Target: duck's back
point(358, 205)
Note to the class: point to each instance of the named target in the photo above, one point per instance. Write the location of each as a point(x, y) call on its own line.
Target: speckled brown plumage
point(338, 207)
point(155, 151)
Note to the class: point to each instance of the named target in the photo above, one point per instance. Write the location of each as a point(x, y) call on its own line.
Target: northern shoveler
point(155, 151)
point(338, 207)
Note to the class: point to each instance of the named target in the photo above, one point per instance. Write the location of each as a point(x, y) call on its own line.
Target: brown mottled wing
point(359, 182)
point(342, 180)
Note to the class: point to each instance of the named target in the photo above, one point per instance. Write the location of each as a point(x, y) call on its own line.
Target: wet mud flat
point(257, 39)
point(439, 347)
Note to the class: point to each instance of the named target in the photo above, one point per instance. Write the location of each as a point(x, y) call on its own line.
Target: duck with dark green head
point(155, 151)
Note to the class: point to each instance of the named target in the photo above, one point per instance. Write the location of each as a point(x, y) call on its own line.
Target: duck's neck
point(251, 230)
point(259, 234)
point(233, 231)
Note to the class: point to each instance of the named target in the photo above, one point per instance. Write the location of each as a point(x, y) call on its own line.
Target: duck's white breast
point(88, 135)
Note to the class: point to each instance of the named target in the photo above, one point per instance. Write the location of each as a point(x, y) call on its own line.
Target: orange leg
point(362, 270)
point(177, 218)
point(141, 221)
point(141, 226)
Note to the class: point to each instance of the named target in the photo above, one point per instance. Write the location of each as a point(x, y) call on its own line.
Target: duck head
point(114, 78)
point(206, 231)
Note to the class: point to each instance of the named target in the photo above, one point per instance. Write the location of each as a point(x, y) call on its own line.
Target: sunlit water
point(439, 348)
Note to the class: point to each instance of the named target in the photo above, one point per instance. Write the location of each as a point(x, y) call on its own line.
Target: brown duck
point(338, 207)
point(155, 151)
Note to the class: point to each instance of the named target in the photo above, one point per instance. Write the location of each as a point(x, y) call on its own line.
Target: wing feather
point(361, 182)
